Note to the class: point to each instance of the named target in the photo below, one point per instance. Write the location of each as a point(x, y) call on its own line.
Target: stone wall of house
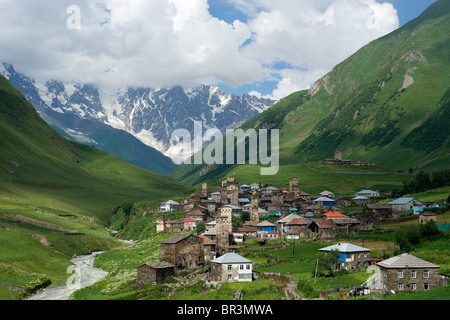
point(390, 279)
point(148, 275)
point(185, 254)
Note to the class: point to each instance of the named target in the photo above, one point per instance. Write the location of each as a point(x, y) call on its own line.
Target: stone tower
point(234, 195)
point(254, 211)
point(160, 224)
point(338, 156)
point(224, 228)
point(205, 190)
point(223, 194)
point(294, 189)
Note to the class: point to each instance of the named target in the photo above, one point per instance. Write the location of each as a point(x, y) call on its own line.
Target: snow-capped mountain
point(151, 115)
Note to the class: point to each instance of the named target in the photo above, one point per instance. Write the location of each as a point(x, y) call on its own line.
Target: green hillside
point(386, 104)
point(56, 196)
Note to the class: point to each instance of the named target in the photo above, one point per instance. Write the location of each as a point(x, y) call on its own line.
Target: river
point(88, 276)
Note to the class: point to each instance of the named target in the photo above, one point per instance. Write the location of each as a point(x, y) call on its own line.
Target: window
point(400, 274)
point(229, 267)
point(426, 273)
point(413, 274)
point(229, 277)
point(248, 267)
point(400, 286)
point(426, 286)
point(241, 267)
point(413, 286)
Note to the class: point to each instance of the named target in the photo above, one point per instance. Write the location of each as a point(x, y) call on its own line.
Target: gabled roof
point(324, 199)
point(322, 223)
point(171, 202)
point(401, 201)
point(406, 260)
point(296, 222)
point(345, 247)
point(289, 218)
point(360, 198)
point(231, 258)
point(333, 214)
point(189, 220)
point(195, 213)
point(266, 224)
point(176, 239)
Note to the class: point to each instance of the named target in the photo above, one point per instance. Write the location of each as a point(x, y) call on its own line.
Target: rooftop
point(345, 247)
point(406, 261)
point(231, 258)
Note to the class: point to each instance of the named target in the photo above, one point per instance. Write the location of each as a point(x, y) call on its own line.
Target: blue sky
point(268, 48)
point(407, 10)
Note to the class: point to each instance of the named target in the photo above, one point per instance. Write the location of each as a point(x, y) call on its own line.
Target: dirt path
point(88, 276)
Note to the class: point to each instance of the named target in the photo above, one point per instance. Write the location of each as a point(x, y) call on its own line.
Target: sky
point(263, 47)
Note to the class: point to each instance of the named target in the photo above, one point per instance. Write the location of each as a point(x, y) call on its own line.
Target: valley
point(84, 170)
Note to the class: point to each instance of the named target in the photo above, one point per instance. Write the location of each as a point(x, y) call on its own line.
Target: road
point(88, 275)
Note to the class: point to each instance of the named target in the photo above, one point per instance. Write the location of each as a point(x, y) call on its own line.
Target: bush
point(307, 289)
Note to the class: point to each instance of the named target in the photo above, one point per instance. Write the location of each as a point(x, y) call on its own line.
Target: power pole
point(315, 276)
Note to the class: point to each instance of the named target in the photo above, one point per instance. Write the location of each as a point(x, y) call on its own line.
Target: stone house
point(174, 226)
point(189, 224)
point(425, 217)
point(155, 273)
point(296, 228)
point(197, 215)
point(361, 200)
point(231, 267)
point(169, 206)
point(343, 202)
point(209, 248)
point(183, 251)
point(351, 257)
point(321, 229)
point(403, 204)
point(278, 210)
point(345, 226)
point(406, 272)
point(281, 224)
point(266, 230)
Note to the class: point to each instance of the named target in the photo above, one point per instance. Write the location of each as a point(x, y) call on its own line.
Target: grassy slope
point(49, 179)
point(360, 106)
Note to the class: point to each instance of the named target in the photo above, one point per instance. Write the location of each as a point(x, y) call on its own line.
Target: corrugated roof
point(344, 247)
point(324, 199)
point(231, 258)
point(406, 260)
point(401, 201)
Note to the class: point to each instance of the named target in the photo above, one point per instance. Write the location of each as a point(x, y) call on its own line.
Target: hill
point(86, 130)
point(386, 104)
point(56, 196)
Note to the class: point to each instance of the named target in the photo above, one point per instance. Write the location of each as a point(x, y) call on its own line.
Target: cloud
point(157, 43)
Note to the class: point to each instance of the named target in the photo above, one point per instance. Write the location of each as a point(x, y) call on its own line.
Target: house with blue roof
point(351, 257)
point(405, 204)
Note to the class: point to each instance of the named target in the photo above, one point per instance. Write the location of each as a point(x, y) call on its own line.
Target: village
point(207, 235)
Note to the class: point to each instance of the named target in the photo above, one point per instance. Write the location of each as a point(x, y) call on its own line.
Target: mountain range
point(135, 124)
point(386, 104)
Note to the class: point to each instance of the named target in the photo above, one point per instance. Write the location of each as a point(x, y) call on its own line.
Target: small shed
point(155, 273)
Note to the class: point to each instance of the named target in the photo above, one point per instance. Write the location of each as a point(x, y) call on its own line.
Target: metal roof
point(231, 258)
point(406, 260)
point(345, 247)
point(402, 201)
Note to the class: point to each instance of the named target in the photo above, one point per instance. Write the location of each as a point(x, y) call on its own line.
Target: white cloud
point(156, 43)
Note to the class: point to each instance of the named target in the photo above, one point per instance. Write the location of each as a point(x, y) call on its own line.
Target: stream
point(88, 276)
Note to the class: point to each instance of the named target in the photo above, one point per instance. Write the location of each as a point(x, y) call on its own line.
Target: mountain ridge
point(367, 105)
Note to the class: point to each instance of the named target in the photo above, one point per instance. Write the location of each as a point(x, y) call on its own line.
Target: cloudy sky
point(267, 47)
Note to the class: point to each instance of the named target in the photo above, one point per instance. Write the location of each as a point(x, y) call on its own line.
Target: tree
point(201, 227)
point(326, 263)
point(407, 238)
point(245, 216)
